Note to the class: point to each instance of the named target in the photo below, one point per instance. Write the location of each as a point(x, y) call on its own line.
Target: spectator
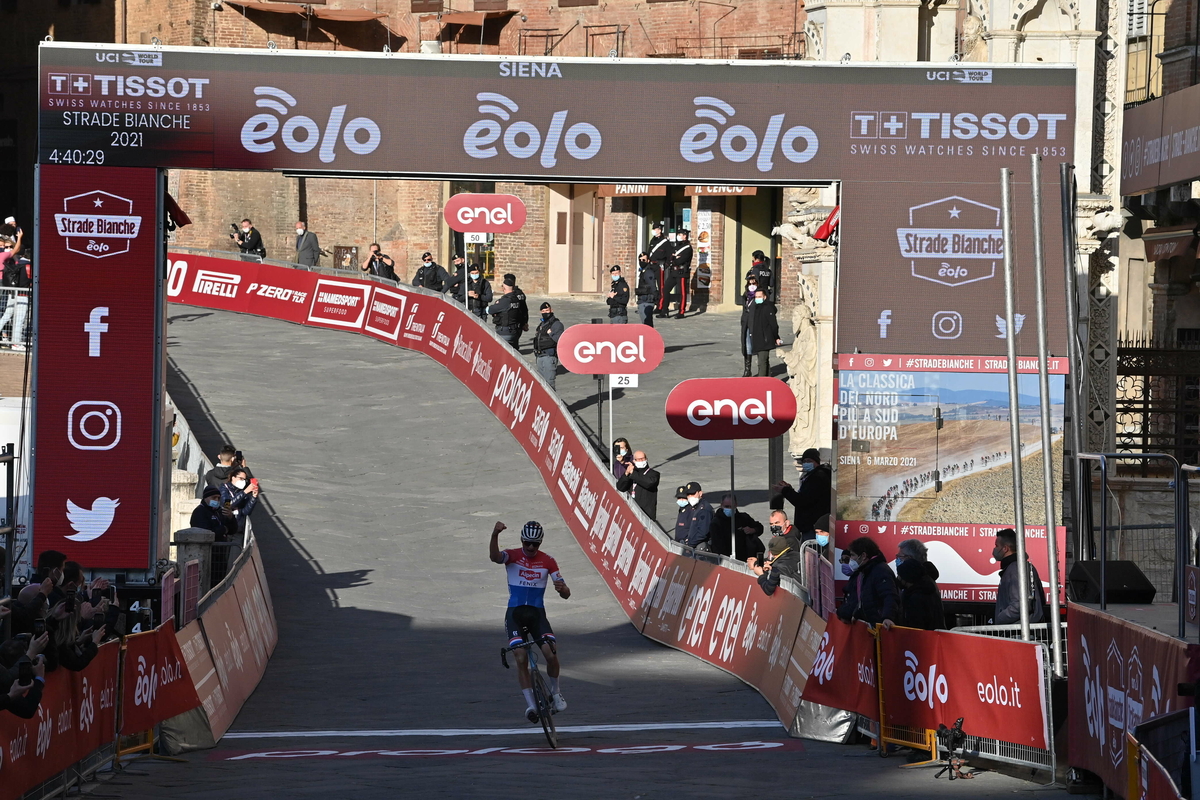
point(430, 275)
point(820, 535)
point(622, 457)
point(217, 475)
point(695, 518)
point(679, 274)
point(479, 292)
point(11, 230)
point(736, 536)
point(915, 550)
point(648, 293)
point(454, 282)
point(16, 273)
point(509, 313)
point(811, 500)
point(871, 591)
point(1008, 593)
point(642, 483)
point(213, 516)
point(30, 606)
point(71, 648)
point(784, 559)
point(618, 297)
point(920, 599)
point(545, 343)
point(308, 250)
point(21, 699)
point(760, 333)
point(240, 495)
point(249, 242)
point(379, 263)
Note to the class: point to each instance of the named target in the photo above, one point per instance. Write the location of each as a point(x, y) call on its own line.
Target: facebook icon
point(885, 319)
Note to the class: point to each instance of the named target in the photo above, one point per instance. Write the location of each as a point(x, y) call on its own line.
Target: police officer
point(509, 313)
point(479, 292)
point(679, 274)
point(685, 511)
point(695, 517)
point(545, 344)
point(647, 289)
point(618, 297)
point(759, 273)
point(659, 255)
point(454, 282)
point(431, 274)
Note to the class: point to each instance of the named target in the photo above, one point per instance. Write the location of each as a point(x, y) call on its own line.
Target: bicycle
point(543, 701)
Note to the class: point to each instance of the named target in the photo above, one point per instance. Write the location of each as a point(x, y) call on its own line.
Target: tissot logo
point(302, 134)
point(98, 224)
point(950, 125)
point(125, 86)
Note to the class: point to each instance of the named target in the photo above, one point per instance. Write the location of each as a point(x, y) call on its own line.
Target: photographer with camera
point(248, 240)
point(380, 264)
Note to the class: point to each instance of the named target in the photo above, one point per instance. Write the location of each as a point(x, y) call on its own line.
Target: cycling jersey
point(527, 577)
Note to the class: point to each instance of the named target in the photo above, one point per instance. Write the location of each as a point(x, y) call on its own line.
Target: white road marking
point(634, 726)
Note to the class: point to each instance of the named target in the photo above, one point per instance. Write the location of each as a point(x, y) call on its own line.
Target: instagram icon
point(94, 425)
point(947, 325)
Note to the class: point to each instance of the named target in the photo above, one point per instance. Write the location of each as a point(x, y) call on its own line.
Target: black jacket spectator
point(811, 500)
point(1008, 594)
point(727, 537)
point(251, 243)
point(377, 264)
point(308, 250)
point(920, 598)
point(785, 560)
point(644, 483)
point(218, 520)
point(24, 707)
point(760, 321)
point(871, 593)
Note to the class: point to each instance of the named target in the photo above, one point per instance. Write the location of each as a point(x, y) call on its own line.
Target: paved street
point(383, 478)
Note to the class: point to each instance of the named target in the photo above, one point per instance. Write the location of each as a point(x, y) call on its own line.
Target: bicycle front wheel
point(545, 708)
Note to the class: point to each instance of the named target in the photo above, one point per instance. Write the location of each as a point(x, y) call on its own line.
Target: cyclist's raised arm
point(563, 590)
point(494, 546)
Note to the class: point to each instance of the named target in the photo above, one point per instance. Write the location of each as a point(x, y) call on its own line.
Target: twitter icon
point(91, 523)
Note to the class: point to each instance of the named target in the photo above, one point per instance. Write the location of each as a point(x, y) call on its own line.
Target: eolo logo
point(822, 667)
point(919, 686)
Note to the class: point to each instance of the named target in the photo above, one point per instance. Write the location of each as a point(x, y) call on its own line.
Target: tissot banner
point(96, 352)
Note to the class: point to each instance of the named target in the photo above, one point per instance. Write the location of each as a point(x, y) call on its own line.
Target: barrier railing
point(15, 320)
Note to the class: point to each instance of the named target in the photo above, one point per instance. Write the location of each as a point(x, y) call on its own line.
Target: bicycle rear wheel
point(545, 708)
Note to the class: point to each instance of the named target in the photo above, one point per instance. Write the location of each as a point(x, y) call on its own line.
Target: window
point(574, 3)
point(491, 5)
point(1138, 18)
point(426, 6)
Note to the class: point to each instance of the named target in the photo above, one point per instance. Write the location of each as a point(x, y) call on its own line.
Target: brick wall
point(620, 232)
point(1179, 31)
point(524, 253)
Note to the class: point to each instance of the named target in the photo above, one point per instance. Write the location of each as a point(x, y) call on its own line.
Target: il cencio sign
point(485, 213)
point(610, 349)
point(731, 408)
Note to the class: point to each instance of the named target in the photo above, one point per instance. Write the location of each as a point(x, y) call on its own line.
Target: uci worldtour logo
point(301, 134)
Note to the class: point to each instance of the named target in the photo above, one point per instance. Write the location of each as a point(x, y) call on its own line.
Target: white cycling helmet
point(532, 532)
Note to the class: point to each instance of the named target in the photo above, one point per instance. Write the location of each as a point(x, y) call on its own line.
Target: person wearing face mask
point(1008, 593)
point(658, 255)
point(920, 598)
point(648, 294)
point(618, 297)
point(783, 558)
point(431, 275)
point(545, 343)
point(678, 275)
point(871, 591)
point(249, 242)
point(695, 518)
point(760, 270)
point(820, 535)
point(760, 333)
point(239, 495)
point(510, 313)
point(811, 501)
point(915, 550)
point(622, 457)
point(479, 291)
point(642, 483)
point(211, 515)
point(734, 532)
point(308, 250)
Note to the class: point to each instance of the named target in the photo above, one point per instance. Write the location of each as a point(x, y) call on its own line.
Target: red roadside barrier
point(156, 681)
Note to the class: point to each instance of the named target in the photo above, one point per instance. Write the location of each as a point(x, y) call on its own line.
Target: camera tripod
point(954, 738)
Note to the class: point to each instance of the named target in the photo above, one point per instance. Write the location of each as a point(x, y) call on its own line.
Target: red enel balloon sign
point(731, 408)
point(610, 349)
point(485, 213)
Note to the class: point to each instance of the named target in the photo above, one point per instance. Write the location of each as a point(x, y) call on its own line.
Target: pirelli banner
point(715, 613)
point(918, 147)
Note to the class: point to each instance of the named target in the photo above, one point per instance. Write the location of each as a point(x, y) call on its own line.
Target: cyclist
point(529, 569)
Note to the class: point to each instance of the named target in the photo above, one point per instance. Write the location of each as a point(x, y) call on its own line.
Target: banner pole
point(1014, 400)
point(1044, 392)
point(612, 435)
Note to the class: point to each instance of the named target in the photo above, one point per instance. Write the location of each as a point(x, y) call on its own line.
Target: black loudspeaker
point(1124, 582)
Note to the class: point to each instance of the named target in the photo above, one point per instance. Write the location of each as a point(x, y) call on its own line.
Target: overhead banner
point(717, 614)
point(97, 383)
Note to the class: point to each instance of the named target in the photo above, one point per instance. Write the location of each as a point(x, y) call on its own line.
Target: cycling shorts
point(536, 624)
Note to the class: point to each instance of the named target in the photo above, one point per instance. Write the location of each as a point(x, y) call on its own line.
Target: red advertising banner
point(217, 706)
point(1153, 780)
point(996, 685)
point(1121, 675)
point(157, 684)
point(611, 349)
point(717, 614)
point(95, 391)
point(843, 673)
point(731, 408)
point(77, 716)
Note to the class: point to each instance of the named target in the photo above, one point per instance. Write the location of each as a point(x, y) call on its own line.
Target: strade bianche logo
point(952, 241)
point(98, 224)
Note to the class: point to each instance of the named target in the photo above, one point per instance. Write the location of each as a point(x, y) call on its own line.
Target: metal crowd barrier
point(15, 307)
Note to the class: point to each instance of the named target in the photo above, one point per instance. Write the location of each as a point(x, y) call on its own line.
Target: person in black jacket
point(783, 559)
point(379, 263)
point(1008, 593)
point(479, 292)
point(920, 598)
point(871, 589)
point(694, 523)
point(308, 249)
point(760, 271)
point(811, 500)
point(658, 255)
point(431, 275)
point(545, 344)
point(647, 289)
point(510, 313)
point(22, 700)
point(642, 483)
point(212, 516)
point(678, 275)
point(736, 536)
point(760, 332)
point(249, 242)
point(618, 297)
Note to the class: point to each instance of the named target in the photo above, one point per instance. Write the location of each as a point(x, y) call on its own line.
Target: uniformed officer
point(679, 274)
point(509, 313)
point(685, 512)
point(759, 272)
point(647, 289)
point(695, 517)
point(431, 274)
point(479, 292)
point(618, 297)
point(545, 344)
point(658, 253)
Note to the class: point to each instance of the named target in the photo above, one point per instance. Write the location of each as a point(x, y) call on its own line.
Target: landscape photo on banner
point(718, 614)
point(906, 423)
